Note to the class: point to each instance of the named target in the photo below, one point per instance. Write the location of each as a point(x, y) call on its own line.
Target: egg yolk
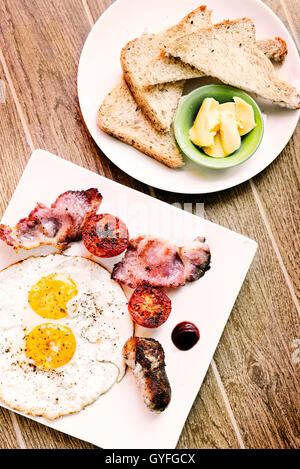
point(50, 295)
point(50, 346)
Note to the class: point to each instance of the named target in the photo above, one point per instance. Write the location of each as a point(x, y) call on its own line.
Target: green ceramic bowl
point(186, 115)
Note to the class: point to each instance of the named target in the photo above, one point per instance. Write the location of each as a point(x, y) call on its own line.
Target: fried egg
point(63, 323)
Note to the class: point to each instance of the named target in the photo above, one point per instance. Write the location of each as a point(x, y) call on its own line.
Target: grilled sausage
point(146, 358)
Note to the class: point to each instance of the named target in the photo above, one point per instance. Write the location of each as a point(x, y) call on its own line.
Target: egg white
point(97, 316)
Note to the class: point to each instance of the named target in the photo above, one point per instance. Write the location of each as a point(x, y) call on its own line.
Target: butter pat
point(218, 127)
point(206, 124)
point(244, 116)
point(230, 107)
point(216, 149)
point(230, 137)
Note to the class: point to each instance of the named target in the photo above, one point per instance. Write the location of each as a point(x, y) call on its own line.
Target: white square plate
point(119, 418)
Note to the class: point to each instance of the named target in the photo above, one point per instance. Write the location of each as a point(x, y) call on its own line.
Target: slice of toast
point(120, 117)
point(224, 51)
point(170, 69)
point(166, 68)
point(159, 102)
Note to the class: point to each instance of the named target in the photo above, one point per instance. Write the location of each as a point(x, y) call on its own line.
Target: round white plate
point(100, 70)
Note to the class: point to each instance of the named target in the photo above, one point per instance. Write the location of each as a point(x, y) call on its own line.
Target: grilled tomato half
point(149, 306)
point(105, 235)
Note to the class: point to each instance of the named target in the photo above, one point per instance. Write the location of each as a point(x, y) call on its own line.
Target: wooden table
point(249, 396)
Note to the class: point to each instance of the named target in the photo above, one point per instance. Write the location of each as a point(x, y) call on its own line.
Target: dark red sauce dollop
point(185, 335)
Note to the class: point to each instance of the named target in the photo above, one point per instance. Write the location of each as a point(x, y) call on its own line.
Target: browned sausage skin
point(146, 358)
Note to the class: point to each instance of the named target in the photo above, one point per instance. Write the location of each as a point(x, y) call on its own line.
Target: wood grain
point(37, 436)
point(292, 14)
point(8, 438)
point(208, 425)
point(97, 7)
point(254, 354)
point(278, 186)
point(276, 7)
point(42, 42)
point(13, 148)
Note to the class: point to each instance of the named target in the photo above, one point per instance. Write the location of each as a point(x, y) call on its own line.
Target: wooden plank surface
point(254, 354)
point(291, 11)
point(208, 425)
point(37, 436)
point(42, 43)
point(278, 187)
point(249, 397)
point(13, 147)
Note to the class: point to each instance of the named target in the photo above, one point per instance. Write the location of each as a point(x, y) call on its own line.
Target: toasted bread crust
point(143, 94)
point(139, 92)
point(172, 157)
point(139, 145)
point(275, 49)
point(236, 21)
point(177, 28)
point(266, 83)
point(284, 48)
